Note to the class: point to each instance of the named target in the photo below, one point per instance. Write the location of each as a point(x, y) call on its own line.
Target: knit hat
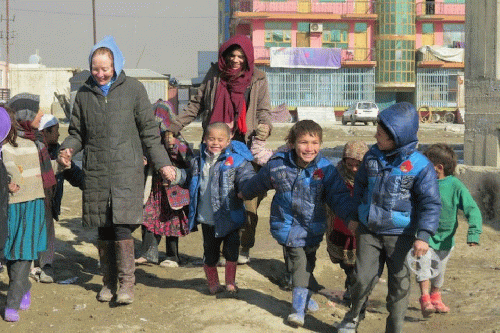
point(4, 124)
point(355, 150)
point(47, 121)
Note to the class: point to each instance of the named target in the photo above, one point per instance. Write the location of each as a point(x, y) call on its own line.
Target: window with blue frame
point(336, 35)
point(278, 34)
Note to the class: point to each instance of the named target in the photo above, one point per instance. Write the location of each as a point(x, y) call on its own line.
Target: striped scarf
point(27, 132)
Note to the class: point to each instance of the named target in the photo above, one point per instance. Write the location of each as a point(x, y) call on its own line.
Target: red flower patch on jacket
point(318, 174)
point(229, 161)
point(406, 166)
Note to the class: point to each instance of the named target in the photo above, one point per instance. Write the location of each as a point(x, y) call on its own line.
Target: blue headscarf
point(118, 60)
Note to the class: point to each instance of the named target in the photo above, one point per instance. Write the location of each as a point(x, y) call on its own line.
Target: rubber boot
point(11, 315)
point(107, 259)
point(438, 303)
point(231, 276)
point(311, 304)
point(25, 301)
point(212, 279)
point(426, 306)
point(299, 298)
point(126, 271)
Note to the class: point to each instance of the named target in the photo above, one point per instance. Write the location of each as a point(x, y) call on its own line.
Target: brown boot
point(107, 259)
point(125, 264)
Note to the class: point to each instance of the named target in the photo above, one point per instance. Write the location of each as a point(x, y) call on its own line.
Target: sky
point(164, 36)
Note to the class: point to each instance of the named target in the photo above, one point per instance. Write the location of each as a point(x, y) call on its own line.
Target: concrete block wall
point(484, 185)
point(482, 83)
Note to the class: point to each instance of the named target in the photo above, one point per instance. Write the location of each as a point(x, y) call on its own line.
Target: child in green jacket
point(454, 196)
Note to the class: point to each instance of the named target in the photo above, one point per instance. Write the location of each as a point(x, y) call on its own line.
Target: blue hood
point(109, 42)
point(402, 120)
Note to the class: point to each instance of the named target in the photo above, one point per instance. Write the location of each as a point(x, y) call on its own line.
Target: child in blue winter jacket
point(398, 200)
point(216, 176)
point(304, 180)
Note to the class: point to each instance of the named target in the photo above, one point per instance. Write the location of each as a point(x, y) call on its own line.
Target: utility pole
point(93, 19)
point(7, 43)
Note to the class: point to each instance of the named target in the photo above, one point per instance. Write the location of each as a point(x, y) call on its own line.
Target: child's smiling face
point(216, 140)
point(307, 148)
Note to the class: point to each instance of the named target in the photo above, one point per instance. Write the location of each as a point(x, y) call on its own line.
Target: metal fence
point(437, 87)
point(320, 87)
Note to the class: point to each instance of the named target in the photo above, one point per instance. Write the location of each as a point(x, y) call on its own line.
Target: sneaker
point(47, 274)
point(347, 326)
point(244, 257)
point(167, 263)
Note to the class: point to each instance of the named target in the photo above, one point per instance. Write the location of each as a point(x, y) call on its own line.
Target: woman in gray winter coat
point(112, 121)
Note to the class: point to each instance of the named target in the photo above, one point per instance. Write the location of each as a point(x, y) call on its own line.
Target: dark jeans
point(300, 263)
point(211, 245)
point(19, 283)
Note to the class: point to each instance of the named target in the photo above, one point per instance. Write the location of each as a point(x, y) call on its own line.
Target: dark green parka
point(112, 131)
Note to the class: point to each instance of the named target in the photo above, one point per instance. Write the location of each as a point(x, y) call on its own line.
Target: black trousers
point(19, 283)
point(211, 245)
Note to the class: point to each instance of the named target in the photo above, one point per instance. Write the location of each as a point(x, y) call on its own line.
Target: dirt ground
point(176, 299)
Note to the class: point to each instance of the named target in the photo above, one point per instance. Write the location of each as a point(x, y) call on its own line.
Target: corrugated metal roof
point(145, 74)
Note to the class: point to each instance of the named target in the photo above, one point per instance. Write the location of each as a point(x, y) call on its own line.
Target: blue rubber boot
point(299, 299)
point(312, 306)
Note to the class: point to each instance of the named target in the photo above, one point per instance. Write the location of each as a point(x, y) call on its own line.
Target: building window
point(457, 2)
point(453, 35)
point(336, 35)
point(278, 34)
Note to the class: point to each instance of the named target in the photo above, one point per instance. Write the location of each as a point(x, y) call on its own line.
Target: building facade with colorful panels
point(378, 43)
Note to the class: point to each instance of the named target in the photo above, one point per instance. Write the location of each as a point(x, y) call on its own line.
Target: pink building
point(402, 44)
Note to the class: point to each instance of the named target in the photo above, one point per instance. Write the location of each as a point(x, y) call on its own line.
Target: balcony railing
point(297, 6)
point(261, 53)
point(440, 8)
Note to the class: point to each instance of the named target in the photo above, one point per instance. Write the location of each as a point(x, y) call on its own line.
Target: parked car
point(361, 111)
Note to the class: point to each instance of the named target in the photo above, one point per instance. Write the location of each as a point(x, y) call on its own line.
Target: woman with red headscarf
point(236, 93)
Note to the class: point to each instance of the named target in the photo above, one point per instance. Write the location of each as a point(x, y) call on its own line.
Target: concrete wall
point(484, 185)
point(40, 80)
point(482, 84)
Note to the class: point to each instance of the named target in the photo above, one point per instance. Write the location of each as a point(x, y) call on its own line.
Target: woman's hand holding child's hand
point(64, 157)
point(168, 172)
point(262, 132)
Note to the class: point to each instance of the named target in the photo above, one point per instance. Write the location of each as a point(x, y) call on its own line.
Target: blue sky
point(164, 36)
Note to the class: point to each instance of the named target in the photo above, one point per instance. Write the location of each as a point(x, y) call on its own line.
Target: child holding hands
point(303, 181)
point(215, 177)
point(454, 196)
point(397, 195)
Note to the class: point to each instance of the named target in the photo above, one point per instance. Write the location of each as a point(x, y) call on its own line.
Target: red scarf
point(230, 94)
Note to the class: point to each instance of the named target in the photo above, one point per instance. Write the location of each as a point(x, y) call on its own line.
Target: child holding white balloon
point(454, 196)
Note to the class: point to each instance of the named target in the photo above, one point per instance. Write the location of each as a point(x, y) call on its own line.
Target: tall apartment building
point(388, 50)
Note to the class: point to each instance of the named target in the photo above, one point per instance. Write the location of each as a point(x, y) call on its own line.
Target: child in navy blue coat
point(304, 180)
point(399, 205)
point(215, 177)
